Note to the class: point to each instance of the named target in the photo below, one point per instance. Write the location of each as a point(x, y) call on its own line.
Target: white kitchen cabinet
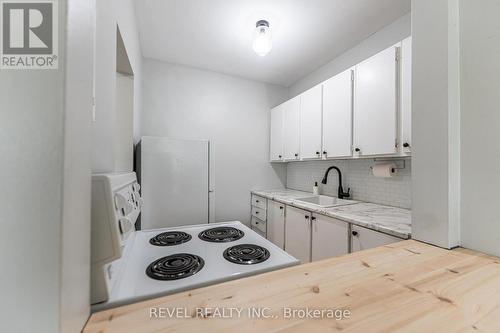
point(276, 138)
point(259, 232)
point(291, 111)
point(259, 201)
point(363, 239)
point(375, 105)
point(310, 123)
point(259, 213)
point(329, 237)
point(256, 223)
point(276, 223)
point(298, 233)
point(337, 115)
point(405, 79)
point(258, 209)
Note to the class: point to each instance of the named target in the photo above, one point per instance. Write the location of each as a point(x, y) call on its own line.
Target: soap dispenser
point(315, 188)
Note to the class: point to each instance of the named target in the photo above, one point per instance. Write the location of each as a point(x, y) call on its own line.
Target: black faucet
point(341, 194)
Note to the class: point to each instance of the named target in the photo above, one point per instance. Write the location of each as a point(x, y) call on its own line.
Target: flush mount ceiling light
point(262, 40)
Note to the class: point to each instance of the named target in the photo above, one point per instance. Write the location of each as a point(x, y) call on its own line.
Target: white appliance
point(174, 175)
point(158, 262)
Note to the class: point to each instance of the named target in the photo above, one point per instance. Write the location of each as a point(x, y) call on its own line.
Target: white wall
point(233, 113)
point(380, 40)
point(109, 14)
point(435, 123)
point(45, 170)
point(480, 115)
point(75, 272)
point(32, 167)
point(124, 116)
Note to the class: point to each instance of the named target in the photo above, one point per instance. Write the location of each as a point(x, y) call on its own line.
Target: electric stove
point(144, 264)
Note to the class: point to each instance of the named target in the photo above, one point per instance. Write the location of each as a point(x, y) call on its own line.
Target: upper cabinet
point(375, 104)
point(276, 138)
point(291, 111)
point(362, 112)
point(310, 123)
point(405, 78)
point(337, 115)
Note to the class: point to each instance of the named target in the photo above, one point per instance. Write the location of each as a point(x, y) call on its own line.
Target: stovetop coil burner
point(170, 238)
point(174, 267)
point(221, 234)
point(246, 254)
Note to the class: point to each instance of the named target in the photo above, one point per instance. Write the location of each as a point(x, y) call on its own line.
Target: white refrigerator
point(174, 177)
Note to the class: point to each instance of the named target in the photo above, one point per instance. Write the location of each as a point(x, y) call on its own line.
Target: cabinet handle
point(256, 212)
point(256, 200)
point(357, 150)
point(354, 233)
point(406, 145)
point(279, 156)
point(306, 217)
point(324, 152)
point(313, 218)
point(281, 207)
point(296, 155)
point(317, 153)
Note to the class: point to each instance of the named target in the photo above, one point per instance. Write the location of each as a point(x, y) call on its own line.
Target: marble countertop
point(390, 220)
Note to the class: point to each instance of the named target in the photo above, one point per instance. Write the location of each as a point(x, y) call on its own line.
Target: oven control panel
point(116, 205)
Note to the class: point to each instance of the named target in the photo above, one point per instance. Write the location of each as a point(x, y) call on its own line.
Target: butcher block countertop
point(402, 287)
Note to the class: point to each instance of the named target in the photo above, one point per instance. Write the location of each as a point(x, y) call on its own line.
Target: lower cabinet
point(258, 210)
point(363, 239)
point(310, 237)
point(330, 237)
point(298, 233)
point(259, 224)
point(276, 223)
point(259, 232)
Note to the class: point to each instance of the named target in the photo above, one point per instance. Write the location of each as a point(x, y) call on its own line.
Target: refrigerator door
point(175, 182)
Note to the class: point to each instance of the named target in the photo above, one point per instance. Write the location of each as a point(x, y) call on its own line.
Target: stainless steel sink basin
point(325, 201)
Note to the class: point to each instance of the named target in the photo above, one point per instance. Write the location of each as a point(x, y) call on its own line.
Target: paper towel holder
point(398, 167)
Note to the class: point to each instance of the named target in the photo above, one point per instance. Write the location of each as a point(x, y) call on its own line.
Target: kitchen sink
point(325, 201)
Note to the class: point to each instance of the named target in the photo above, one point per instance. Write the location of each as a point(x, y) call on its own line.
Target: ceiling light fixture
point(262, 40)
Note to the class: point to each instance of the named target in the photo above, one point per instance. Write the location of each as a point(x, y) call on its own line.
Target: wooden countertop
point(403, 287)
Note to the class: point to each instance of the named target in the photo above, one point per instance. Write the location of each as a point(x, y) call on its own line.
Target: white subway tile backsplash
point(394, 191)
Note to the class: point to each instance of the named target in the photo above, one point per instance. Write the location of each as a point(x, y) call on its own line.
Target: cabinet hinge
point(396, 56)
point(352, 75)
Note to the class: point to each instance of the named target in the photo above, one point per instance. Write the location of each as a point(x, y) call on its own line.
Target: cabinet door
point(310, 123)
point(298, 233)
point(292, 128)
point(363, 239)
point(405, 57)
point(375, 104)
point(337, 115)
point(276, 138)
point(329, 237)
point(276, 223)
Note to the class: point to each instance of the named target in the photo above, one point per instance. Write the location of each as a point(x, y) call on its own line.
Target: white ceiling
point(217, 34)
